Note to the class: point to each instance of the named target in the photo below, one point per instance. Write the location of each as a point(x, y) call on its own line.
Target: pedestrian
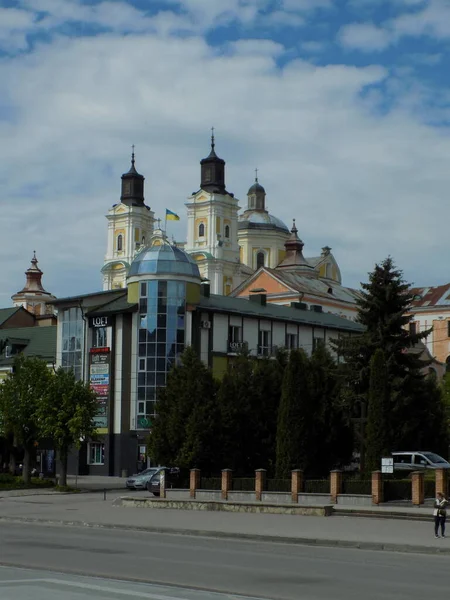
point(440, 514)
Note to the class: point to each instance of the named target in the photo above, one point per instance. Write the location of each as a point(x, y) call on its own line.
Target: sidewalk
point(90, 510)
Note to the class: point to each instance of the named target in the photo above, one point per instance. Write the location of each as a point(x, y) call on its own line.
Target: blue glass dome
point(163, 259)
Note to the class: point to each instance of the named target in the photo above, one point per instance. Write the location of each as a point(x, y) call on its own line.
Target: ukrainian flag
point(171, 216)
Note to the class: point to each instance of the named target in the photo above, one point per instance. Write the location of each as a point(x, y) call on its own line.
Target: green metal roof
point(7, 313)
point(244, 307)
point(38, 341)
point(115, 306)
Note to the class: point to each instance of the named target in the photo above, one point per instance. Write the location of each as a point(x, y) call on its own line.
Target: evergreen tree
point(331, 426)
point(383, 311)
point(295, 438)
point(185, 430)
point(236, 400)
point(378, 440)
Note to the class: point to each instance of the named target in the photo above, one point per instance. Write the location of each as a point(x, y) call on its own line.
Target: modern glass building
point(125, 342)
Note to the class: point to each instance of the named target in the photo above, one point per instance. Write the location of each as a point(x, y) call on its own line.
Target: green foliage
point(184, 433)
point(66, 414)
point(11, 482)
point(314, 433)
point(378, 431)
point(413, 402)
point(294, 433)
point(21, 394)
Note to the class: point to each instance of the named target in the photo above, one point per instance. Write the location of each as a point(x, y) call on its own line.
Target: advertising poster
point(99, 374)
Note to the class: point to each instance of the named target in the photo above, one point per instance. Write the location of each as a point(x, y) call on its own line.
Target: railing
point(210, 483)
point(243, 484)
point(397, 489)
point(317, 486)
point(357, 487)
point(278, 485)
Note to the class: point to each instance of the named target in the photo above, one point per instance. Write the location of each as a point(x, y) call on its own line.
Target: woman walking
point(440, 514)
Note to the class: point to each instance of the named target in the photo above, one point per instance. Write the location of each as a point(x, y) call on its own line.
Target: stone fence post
point(335, 485)
point(194, 481)
point(377, 487)
point(226, 482)
point(418, 491)
point(441, 482)
point(296, 484)
point(260, 483)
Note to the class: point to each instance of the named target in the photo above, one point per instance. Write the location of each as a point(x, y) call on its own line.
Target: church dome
point(256, 188)
point(256, 219)
point(163, 259)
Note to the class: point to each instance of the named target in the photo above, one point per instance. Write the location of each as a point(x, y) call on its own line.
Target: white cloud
point(365, 183)
point(364, 36)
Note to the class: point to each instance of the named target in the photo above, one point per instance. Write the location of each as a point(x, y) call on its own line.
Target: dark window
point(234, 334)
point(291, 341)
point(260, 257)
point(227, 231)
point(413, 328)
point(201, 230)
point(100, 340)
point(264, 343)
point(448, 328)
point(119, 243)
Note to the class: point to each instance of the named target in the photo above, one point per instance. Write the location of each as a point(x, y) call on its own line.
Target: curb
point(299, 541)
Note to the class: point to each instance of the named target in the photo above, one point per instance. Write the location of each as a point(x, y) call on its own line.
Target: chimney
point(299, 305)
point(260, 299)
point(316, 308)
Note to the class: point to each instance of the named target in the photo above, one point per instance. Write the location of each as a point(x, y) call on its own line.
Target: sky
point(342, 105)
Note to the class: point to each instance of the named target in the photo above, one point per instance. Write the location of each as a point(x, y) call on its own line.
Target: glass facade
point(72, 341)
point(162, 307)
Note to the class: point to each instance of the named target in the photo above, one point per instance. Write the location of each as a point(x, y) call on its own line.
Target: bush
point(11, 482)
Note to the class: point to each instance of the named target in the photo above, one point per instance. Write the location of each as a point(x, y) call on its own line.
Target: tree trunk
point(63, 468)
point(26, 471)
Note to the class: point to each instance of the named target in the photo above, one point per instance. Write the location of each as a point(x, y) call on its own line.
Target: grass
point(13, 482)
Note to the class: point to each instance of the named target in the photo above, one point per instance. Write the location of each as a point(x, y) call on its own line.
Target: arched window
point(143, 240)
point(201, 230)
point(119, 242)
point(227, 231)
point(260, 257)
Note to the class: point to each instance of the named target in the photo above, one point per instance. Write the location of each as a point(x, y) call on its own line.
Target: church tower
point(213, 227)
point(130, 224)
point(33, 296)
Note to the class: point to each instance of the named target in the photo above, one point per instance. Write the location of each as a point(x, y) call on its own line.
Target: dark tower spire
point(256, 196)
point(132, 185)
point(213, 171)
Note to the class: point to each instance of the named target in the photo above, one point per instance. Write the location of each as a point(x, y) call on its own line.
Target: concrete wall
point(354, 500)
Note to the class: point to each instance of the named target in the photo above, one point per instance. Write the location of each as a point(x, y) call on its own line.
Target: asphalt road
point(262, 570)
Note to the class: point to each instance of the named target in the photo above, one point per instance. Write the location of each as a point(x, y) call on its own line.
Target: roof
point(241, 306)
point(115, 306)
point(431, 296)
point(305, 284)
point(7, 313)
point(80, 296)
point(260, 219)
point(164, 259)
point(39, 342)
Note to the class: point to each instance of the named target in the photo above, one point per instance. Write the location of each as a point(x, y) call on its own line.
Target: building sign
point(237, 346)
point(99, 322)
point(99, 374)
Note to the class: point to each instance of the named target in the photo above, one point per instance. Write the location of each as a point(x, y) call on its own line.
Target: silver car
point(418, 460)
point(140, 480)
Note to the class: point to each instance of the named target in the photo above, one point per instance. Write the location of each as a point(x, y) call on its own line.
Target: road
point(263, 570)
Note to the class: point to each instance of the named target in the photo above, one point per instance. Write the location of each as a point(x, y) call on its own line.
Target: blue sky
point(342, 104)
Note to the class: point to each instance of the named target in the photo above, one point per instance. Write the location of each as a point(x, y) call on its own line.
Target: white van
point(417, 461)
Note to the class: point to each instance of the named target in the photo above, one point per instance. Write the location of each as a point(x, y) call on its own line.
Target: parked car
point(140, 480)
point(418, 460)
point(172, 478)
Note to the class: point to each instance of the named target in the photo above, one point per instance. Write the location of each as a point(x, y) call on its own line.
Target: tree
point(333, 432)
point(378, 438)
point(185, 429)
point(66, 415)
point(383, 311)
point(21, 395)
point(236, 400)
point(295, 437)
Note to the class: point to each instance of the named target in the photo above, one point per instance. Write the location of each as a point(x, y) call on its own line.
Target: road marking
point(98, 588)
